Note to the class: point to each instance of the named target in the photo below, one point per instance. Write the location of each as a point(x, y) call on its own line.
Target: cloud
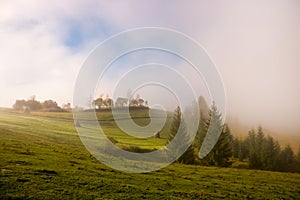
point(42, 48)
point(255, 45)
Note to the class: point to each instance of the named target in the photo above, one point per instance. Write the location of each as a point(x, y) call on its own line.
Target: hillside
point(42, 157)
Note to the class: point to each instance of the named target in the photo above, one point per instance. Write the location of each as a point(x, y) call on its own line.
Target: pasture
point(42, 157)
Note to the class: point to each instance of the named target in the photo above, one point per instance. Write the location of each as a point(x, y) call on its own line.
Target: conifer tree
point(298, 161)
point(268, 153)
point(204, 117)
point(179, 127)
point(253, 154)
point(287, 159)
point(236, 147)
point(259, 147)
point(244, 149)
point(222, 150)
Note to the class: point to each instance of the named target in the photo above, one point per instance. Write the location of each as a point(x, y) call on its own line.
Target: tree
point(141, 102)
point(204, 117)
point(298, 161)
point(253, 154)
point(19, 104)
point(98, 103)
point(244, 150)
point(277, 151)
point(49, 104)
point(298, 154)
point(178, 126)
point(67, 106)
point(236, 147)
point(260, 137)
point(269, 154)
point(264, 152)
point(133, 102)
point(204, 109)
point(108, 102)
point(32, 104)
point(212, 128)
point(222, 151)
point(259, 147)
point(287, 159)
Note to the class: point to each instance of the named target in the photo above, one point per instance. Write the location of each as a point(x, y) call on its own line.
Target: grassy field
point(42, 157)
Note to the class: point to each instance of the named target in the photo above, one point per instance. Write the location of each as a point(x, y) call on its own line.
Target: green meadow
point(42, 157)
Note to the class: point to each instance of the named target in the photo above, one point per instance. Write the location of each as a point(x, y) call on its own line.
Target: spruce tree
point(204, 117)
point(236, 147)
point(259, 148)
point(220, 154)
point(178, 126)
point(213, 126)
point(277, 152)
point(268, 154)
point(244, 149)
point(223, 149)
point(253, 154)
point(298, 161)
point(287, 159)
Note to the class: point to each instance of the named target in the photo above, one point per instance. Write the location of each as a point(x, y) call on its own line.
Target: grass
point(42, 157)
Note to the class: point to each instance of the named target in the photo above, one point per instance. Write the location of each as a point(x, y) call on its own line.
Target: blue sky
point(254, 44)
point(77, 34)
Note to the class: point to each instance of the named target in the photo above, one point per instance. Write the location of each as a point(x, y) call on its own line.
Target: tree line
point(107, 102)
point(257, 150)
point(263, 152)
point(31, 104)
point(34, 105)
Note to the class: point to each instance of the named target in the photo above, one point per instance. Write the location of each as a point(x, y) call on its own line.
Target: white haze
point(255, 45)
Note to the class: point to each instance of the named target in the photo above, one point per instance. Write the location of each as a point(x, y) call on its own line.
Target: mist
point(255, 45)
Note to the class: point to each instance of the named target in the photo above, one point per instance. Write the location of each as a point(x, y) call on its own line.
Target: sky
point(254, 44)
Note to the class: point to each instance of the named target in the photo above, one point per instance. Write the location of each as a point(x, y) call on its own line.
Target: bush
point(136, 149)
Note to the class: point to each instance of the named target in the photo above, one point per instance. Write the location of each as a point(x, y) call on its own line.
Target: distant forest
point(107, 102)
point(32, 104)
point(100, 103)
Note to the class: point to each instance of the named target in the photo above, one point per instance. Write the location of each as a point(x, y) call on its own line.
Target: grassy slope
point(42, 157)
